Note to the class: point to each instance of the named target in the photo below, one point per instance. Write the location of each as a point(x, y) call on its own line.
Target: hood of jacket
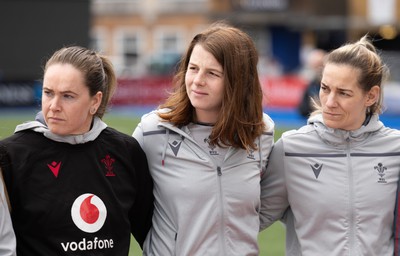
point(40, 126)
point(339, 137)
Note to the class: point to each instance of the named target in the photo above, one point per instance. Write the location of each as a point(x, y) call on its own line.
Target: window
point(169, 44)
point(129, 49)
point(98, 40)
point(169, 40)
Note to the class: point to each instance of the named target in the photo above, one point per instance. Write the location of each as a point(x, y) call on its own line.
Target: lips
point(54, 119)
point(328, 114)
point(198, 92)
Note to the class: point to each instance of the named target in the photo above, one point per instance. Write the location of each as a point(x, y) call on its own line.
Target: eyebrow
point(345, 90)
point(339, 89)
point(67, 91)
point(216, 70)
point(209, 69)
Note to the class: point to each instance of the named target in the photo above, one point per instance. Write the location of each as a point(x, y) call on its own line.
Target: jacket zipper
point(221, 197)
point(222, 210)
point(351, 202)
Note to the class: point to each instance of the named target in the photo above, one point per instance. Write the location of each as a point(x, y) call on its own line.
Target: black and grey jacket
point(76, 195)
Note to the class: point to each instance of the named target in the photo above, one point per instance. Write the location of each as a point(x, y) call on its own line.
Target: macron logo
point(316, 169)
point(54, 168)
point(175, 147)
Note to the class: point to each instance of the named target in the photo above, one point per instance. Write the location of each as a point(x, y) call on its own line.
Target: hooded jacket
point(78, 194)
point(341, 187)
point(201, 208)
point(7, 236)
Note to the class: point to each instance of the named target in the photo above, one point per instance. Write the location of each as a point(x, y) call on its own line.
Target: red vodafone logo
point(89, 213)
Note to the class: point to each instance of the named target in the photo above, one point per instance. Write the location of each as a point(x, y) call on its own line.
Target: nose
point(331, 100)
point(199, 79)
point(55, 104)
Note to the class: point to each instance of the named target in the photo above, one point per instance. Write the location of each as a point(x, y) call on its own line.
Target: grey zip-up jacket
point(201, 208)
point(7, 236)
point(341, 187)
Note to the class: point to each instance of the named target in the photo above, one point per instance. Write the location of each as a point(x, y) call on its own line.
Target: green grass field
point(271, 240)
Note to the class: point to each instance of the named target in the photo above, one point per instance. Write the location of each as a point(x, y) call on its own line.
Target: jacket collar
point(340, 137)
point(40, 126)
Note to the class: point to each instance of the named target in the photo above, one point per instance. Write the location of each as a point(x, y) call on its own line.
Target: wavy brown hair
point(240, 120)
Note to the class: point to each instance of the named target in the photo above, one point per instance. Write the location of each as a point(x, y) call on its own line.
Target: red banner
point(283, 91)
point(142, 91)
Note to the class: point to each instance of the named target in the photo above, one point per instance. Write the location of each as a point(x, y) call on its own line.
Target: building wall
point(161, 29)
point(147, 36)
point(369, 16)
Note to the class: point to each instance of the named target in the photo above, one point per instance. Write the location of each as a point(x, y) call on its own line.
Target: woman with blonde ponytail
point(335, 179)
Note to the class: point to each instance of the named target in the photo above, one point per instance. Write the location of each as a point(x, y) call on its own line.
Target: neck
point(203, 123)
point(201, 117)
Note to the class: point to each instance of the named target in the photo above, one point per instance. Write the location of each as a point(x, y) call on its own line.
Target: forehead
point(201, 56)
point(63, 75)
point(341, 76)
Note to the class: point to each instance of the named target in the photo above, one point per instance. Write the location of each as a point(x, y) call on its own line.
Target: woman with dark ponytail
point(76, 186)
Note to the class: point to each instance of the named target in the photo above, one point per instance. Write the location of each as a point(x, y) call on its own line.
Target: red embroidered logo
point(108, 162)
point(54, 168)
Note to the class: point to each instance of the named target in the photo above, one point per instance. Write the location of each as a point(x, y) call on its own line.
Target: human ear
point(373, 95)
point(96, 101)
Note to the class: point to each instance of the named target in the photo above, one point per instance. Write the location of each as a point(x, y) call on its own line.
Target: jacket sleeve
point(7, 236)
point(274, 201)
point(138, 134)
point(396, 224)
point(292, 242)
point(142, 211)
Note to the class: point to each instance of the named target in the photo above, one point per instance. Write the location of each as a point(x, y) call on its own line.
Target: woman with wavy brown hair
point(207, 147)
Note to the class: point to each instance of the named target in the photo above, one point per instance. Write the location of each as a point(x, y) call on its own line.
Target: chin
point(57, 131)
point(332, 124)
